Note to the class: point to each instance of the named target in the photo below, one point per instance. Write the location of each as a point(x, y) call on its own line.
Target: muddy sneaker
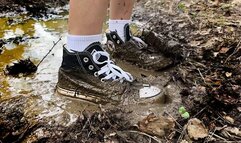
point(136, 51)
point(91, 75)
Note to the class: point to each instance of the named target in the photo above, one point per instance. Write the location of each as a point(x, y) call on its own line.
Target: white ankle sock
point(118, 26)
point(81, 42)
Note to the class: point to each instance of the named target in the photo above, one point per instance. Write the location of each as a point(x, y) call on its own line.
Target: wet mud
point(101, 126)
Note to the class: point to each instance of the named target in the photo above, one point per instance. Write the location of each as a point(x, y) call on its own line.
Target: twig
point(219, 137)
point(210, 135)
point(182, 134)
point(190, 20)
point(200, 111)
point(173, 119)
point(234, 52)
point(55, 43)
point(141, 133)
point(201, 75)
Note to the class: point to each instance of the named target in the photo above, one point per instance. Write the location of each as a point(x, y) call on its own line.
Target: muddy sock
point(80, 42)
point(118, 26)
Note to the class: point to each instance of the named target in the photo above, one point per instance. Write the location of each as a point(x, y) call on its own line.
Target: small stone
point(228, 74)
point(229, 119)
point(196, 129)
point(239, 109)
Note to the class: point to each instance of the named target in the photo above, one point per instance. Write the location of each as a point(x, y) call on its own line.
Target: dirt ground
point(210, 34)
point(203, 38)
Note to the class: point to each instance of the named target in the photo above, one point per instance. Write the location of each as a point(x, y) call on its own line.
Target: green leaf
point(182, 110)
point(186, 115)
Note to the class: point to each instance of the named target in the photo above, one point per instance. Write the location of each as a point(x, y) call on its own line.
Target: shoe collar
point(92, 48)
point(127, 32)
point(127, 35)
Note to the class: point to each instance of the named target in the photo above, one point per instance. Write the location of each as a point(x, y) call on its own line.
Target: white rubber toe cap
point(149, 91)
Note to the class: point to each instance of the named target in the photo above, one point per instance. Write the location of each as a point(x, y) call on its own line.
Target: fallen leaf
point(223, 50)
point(233, 130)
point(239, 109)
point(229, 119)
point(196, 129)
point(157, 126)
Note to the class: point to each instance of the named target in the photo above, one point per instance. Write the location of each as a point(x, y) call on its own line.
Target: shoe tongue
point(94, 47)
point(127, 32)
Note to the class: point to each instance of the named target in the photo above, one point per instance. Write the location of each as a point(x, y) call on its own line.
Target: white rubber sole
point(147, 92)
point(76, 95)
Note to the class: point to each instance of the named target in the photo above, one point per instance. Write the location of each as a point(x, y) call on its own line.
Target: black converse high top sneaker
point(91, 75)
point(136, 51)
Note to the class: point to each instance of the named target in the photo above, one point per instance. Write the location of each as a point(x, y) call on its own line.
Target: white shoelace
point(140, 42)
point(111, 71)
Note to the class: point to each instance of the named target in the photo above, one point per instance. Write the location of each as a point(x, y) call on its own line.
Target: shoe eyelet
point(86, 60)
point(102, 80)
point(91, 67)
point(96, 74)
point(118, 41)
point(114, 37)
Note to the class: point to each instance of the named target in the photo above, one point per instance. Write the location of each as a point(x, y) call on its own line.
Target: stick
point(200, 111)
point(219, 137)
point(173, 119)
point(201, 75)
point(234, 52)
point(55, 43)
point(142, 133)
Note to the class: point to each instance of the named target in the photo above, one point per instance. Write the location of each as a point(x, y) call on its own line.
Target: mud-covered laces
point(110, 70)
point(139, 42)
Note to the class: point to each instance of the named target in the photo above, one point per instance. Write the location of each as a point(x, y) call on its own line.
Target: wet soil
point(210, 35)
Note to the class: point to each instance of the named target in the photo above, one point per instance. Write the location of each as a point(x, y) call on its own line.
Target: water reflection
point(45, 32)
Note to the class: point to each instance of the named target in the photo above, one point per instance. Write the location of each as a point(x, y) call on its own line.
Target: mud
point(101, 126)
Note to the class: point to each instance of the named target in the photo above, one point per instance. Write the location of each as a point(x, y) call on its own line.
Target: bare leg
point(120, 15)
point(121, 9)
point(87, 16)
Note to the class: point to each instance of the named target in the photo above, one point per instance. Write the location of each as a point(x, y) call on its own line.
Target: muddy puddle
point(42, 102)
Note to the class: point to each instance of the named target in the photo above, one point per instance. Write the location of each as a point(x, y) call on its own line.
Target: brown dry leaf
point(233, 130)
point(229, 119)
point(196, 129)
point(239, 109)
point(157, 126)
point(218, 82)
point(223, 50)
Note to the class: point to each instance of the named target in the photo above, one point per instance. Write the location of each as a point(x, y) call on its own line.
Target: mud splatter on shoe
point(135, 51)
point(91, 75)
